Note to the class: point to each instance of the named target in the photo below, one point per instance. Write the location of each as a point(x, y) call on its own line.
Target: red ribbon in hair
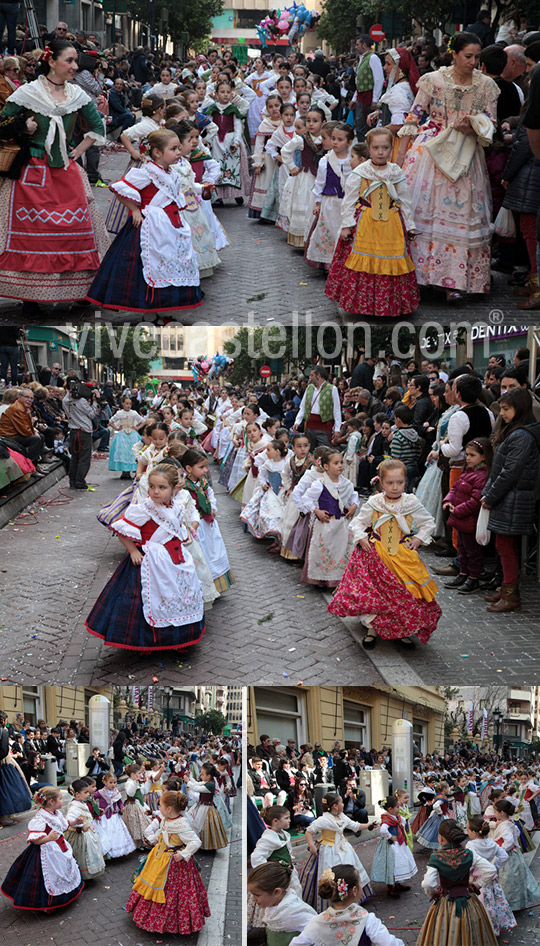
point(46, 54)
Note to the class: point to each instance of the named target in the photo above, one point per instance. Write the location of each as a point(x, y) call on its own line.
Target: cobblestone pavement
point(263, 279)
point(269, 628)
point(404, 917)
point(98, 914)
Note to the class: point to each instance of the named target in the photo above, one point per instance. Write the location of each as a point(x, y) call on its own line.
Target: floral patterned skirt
point(185, 907)
point(498, 908)
point(368, 587)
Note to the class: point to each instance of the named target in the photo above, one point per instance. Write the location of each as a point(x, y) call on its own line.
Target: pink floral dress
point(452, 249)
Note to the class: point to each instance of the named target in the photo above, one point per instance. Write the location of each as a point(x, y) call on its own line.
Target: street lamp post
point(498, 716)
point(168, 691)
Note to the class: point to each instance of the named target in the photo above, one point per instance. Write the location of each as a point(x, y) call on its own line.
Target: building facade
point(356, 716)
point(234, 712)
point(51, 703)
point(513, 714)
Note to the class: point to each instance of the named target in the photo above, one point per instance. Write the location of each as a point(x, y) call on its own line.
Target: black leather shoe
point(470, 586)
point(449, 571)
point(458, 581)
point(445, 552)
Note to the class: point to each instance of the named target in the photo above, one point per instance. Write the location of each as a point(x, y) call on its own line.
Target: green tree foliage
point(194, 18)
point(126, 349)
point(338, 21)
point(211, 722)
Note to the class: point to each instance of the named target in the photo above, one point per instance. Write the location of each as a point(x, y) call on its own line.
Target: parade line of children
point(170, 818)
point(176, 564)
point(345, 205)
point(476, 875)
point(311, 513)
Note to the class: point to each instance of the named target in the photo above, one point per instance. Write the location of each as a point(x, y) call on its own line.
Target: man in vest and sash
point(320, 409)
point(369, 83)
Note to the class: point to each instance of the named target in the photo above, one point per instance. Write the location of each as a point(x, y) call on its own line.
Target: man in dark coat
point(362, 376)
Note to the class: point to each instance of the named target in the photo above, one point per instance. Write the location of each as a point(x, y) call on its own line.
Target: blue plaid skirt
point(14, 792)
point(24, 885)
point(119, 282)
point(118, 619)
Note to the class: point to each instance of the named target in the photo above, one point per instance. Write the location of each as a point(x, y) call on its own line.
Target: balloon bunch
point(213, 368)
point(291, 22)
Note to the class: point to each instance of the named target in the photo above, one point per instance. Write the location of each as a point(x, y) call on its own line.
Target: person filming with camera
point(81, 413)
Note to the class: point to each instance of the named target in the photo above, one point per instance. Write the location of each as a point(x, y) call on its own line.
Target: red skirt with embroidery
point(374, 294)
point(185, 907)
point(369, 587)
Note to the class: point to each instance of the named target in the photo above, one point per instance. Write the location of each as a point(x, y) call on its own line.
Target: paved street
point(263, 280)
point(269, 628)
point(404, 917)
point(98, 915)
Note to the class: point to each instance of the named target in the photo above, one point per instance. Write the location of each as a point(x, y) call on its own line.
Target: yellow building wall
point(57, 702)
point(324, 713)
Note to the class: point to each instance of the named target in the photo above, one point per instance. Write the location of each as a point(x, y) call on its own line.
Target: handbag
point(483, 534)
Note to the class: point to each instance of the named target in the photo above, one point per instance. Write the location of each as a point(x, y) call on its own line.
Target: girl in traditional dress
point(207, 172)
point(351, 455)
point(134, 814)
point(386, 584)
point(528, 794)
point(153, 784)
point(150, 457)
point(393, 862)
point(126, 422)
point(256, 107)
point(284, 913)
point(151, 266)
point(457, 917)
point(153, 114)
point(257, 442)
point(332, 848)
point(168, 896)
point(405, 814)
point(206, 128)
point(298, 201)
point(275, 843)
point(491, 895)
point(283, 133)
point(111, 829)
point(329, 190)
point(426, 797)
point(45, 876)
point(520, 887)
point(299, 534)
point(228, 147)
point(333, 502)
point(81, 833)
point(263, 162)
point(372, 272)
point(205, 817)
point(193, 215)
point(53, 237)
point(293, 471)
point(466, 802)
point(154, 599)
point(447, 173)
point(344, 921)
point(264, 511)
point(195, 464)
point(428, 834)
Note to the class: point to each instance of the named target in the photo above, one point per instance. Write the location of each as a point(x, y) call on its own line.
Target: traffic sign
point(265, 371)
point(377, 33)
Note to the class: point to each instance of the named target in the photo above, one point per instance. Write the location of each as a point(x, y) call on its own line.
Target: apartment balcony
point(523, 695)
point(518, 716)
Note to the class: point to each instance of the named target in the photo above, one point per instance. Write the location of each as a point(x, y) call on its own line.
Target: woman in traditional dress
point(14, 792)
point(457, 917)
point(52, 237)
point(396, 102)
point(447, 174)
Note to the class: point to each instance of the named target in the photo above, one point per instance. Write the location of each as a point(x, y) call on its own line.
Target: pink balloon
point(283, 26)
